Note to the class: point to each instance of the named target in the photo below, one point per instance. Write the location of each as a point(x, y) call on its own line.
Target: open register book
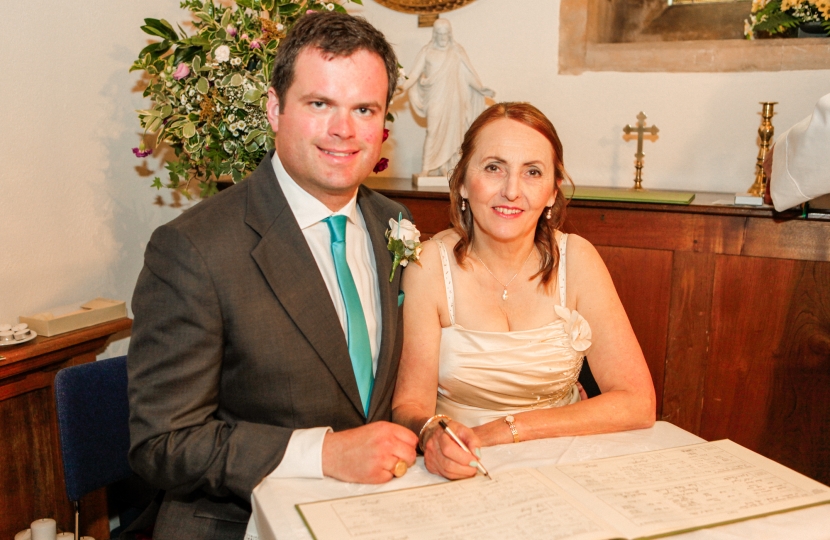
point(630, 497)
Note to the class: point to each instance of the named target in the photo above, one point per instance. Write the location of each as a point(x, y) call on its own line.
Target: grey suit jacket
point(235, 344)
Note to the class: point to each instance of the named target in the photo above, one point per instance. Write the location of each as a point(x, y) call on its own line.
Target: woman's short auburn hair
point(462, 221)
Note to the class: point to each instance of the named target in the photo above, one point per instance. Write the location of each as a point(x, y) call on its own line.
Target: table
point(277, 519)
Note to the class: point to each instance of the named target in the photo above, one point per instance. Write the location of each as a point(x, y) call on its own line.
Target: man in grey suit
point(261, 345)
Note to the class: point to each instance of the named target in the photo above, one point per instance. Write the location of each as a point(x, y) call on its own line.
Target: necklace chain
point(504, 294)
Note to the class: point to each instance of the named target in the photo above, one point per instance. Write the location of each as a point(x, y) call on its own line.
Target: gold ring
point(399, 469)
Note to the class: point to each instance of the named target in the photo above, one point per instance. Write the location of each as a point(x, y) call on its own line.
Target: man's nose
point(342, 125)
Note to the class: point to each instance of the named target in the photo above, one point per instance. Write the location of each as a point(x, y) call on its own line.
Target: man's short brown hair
point(335, 35)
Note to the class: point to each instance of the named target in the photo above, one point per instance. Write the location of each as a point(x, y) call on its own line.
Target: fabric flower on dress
point(576, 327)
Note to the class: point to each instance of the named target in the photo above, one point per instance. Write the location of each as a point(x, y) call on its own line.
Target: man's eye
point(318, 104)
point(364, 111)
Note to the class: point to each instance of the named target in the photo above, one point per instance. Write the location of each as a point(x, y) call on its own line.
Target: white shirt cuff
point(304, 455)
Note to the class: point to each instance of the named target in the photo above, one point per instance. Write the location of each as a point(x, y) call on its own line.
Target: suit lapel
point(377, 224)
point(286, 262)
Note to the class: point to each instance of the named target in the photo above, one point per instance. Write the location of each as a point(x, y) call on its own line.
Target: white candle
point(66, 536)
point(44, 529)
point(24, 535)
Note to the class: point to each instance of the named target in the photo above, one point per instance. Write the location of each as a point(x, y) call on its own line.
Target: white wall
point(708, 121)
point(76, 209)
point(75, 215)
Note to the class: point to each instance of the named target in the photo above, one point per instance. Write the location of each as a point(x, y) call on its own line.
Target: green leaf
point(251, 147)
point(289, 9)
point(157, 183)
point(204, 17)
point(185, 54)
point(202, 86)
point(155, 49)
point(252, 95)
point(252, 135)
point(166, 111)
point(226, 18)
point(153, 124)
point(160, 28)
point(358, 2)
point(339, 9)
point(189, 130)
point(237, 80)
point(197, 63)
point(229, 146)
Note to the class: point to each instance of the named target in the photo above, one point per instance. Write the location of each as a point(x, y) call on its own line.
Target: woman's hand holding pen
point(444, 456)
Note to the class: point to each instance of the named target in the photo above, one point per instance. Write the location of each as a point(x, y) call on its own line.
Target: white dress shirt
point(801, 160)
point(304, 454)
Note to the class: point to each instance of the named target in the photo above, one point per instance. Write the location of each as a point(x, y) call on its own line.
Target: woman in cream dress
point(504, 307)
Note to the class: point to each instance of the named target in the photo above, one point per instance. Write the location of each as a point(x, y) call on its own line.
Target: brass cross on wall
point(640, 130)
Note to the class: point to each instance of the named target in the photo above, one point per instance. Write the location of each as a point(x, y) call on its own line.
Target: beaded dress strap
point(562, 242)
point(445, 265)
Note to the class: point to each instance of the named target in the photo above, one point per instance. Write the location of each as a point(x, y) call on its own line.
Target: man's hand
point(368, 454)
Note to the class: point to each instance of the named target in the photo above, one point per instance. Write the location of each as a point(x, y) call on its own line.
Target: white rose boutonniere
point(404, 243)
point(577, 328)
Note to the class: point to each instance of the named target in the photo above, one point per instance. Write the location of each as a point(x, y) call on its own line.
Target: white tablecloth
point(276, 518)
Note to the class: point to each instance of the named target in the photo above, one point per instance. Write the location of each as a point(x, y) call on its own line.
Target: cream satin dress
point(485, 376)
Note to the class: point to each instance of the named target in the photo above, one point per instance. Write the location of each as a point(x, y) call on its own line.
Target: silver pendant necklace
point(504, 294)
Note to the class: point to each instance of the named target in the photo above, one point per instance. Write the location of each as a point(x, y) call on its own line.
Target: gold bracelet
point(509, 421)
point(426, 425)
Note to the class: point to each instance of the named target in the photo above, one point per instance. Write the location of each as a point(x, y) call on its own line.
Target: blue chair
point(93, 421)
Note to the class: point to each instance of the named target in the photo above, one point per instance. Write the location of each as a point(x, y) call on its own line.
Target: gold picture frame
point(423, 7)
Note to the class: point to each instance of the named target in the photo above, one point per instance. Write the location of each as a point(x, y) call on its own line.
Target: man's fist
point(368, 454)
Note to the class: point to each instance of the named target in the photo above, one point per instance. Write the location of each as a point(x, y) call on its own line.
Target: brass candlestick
point(765, 133)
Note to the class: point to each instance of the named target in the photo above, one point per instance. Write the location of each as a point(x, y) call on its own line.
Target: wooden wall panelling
point(642, 278)
point(769, 363)
point(793, 239)
point(688, 339)
point(673, 231)
point(430, 216)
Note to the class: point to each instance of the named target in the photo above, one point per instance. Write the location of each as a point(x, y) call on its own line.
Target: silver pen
point(463, 446)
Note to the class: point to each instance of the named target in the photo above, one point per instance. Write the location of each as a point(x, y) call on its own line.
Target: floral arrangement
point(208, 90)
point(770, 17)
point(404, 243)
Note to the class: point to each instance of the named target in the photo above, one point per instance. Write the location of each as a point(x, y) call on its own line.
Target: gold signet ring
point(399, 469)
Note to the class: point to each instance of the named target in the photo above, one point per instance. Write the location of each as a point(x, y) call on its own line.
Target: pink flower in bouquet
point(140, 151)
point(182, 71)
point(382, 165)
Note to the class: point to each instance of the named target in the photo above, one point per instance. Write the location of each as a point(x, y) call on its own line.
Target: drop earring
point(463, 204)
point(548, 214)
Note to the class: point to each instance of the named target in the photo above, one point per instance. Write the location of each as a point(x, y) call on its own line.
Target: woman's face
point(509, 180)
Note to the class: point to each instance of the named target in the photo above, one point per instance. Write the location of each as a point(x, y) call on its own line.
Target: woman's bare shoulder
point(581, 251)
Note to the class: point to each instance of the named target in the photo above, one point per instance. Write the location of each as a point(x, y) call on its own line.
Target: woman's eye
point(491, 167)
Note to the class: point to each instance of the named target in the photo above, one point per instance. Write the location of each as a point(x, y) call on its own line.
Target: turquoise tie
point(359, 349)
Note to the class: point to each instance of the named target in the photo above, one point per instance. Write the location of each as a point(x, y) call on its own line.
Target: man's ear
point(272, 109)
